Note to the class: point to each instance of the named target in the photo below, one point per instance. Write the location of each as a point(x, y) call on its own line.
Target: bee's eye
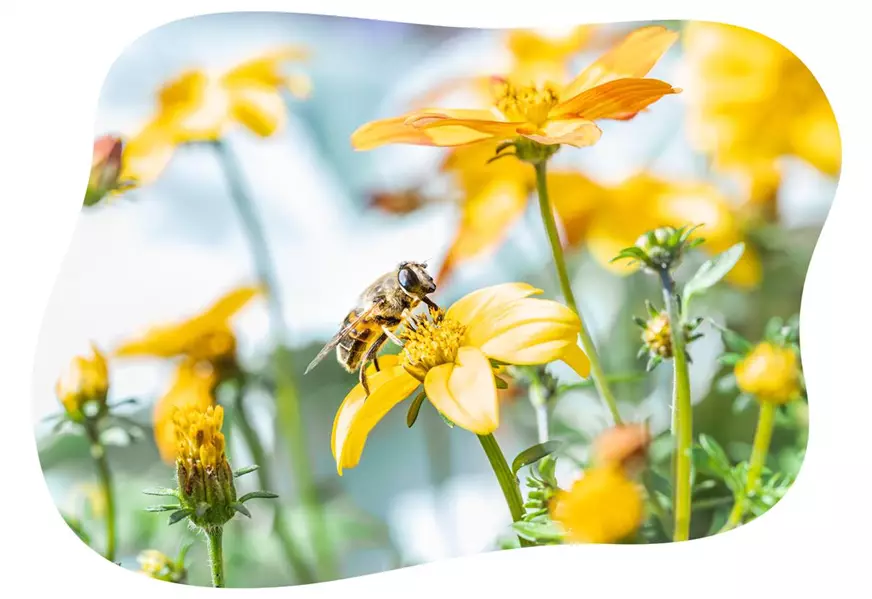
point(407, 279)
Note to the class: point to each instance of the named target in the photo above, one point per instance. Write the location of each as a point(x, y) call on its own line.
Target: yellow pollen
point(525, 103)
point(428, 343)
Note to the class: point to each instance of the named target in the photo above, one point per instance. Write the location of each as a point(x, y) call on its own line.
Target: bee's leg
point(391, 336)
point(430, 303)
point(371, 354)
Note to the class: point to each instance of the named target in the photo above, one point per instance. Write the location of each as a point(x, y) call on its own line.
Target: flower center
point(658, 336)
point(529, 104)
point(430, 342)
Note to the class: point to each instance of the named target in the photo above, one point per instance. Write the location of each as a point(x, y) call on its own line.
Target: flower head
point(614, 87)
point(83, 388)
point(201, 106)
point(194, 385)
point(603, 506)
point(453, 353)
point(770, 372)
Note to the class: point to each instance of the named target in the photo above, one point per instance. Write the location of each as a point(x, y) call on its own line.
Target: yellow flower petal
point(358, 414)
point(260, 109)
point(191, 386)
point(265, 70)
point(575, 199)
point(397, 131)
point(147, 154)
point(485, 220)
point(525, 331)
point(634, 56)
point(468, 125)
point(576, 359)
point(618, 98)
point(465, 391)
point(572, 132)
point(471, 306)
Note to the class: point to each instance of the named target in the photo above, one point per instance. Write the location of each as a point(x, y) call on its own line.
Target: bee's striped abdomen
point(353, 346)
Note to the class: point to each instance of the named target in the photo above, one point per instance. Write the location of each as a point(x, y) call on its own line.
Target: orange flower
point(613, 87)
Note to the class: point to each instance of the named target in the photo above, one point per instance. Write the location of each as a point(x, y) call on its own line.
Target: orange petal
point(397, 131)
point(615, 98)
point(485, 220)
point(478, 124)
point(572, 132)
point(634, 56)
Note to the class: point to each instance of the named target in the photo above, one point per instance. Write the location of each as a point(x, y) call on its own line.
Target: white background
point(806, 542)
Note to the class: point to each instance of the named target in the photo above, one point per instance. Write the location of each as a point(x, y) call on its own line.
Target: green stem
point(759, 451)
point(508, 482)
point(682, 412)
point(216, 555)
point(287, 399)
point(301, 569)
point(98, 452)
point(596, 369)
point(656, 506)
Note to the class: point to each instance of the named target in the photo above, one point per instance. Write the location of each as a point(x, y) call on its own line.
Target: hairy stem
point(214, 544)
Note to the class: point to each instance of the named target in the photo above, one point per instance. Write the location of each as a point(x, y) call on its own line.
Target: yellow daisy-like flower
point(609, 218)
point(770, 372)
point(200, 442)
point(451, 355)
point(199, 106)
point(603, 506)
point(193, 385)
point(751, 102)
point(550, 114)
point(83, 387)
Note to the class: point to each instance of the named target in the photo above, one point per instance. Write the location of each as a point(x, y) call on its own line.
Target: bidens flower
point(603, 506)
point(451, 353)
point(770, 373)
point(83, 388)
point(201, 106)
point(614, 87)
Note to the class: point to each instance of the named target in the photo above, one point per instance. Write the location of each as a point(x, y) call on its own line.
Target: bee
point(380, 309)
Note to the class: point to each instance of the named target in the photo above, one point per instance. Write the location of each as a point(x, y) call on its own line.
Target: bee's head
point(415, 280)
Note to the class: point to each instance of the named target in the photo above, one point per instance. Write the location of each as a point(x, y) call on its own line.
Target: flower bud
point(204, 477)
point(105, 169)
point(770, 372)
point(83, 388)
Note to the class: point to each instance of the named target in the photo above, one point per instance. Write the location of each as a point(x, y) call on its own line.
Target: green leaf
point(742, 402)
point(161, 492)
point(179, 515)
point(245, 470)
point(257, 495)
point(538, 532)
point(415, 408)
point(500, 383)
point(711, 272)
point(729, 359)
point(659, 483)
point(241, 509)
point(772, 332)
point(533, 454)
point(715, 451)
point(162, 508)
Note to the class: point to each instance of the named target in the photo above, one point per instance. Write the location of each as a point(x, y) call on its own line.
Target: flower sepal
point(660, 249)
point(525, 150)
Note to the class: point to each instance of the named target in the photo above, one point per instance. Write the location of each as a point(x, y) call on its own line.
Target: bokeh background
point(169, 250)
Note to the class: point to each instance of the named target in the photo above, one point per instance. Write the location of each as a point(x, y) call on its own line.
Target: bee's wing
point(331, 345)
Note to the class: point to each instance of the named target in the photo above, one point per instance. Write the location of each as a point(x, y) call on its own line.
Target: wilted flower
point(453, 355)
point(614, 87)
point(752, 102)
point(603, 506)
point(770, 372)
point(200, 106)
point(83, 388)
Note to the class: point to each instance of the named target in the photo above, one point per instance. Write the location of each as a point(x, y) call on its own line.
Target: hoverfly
point(380, 309)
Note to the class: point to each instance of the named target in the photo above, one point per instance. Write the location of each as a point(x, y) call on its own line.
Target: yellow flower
point(752, 102)
point(551, 114)
point(450, 354)
point(199, 106)
point(770, 372)
point(199, 440)
point(206, 337)
point(609, 218)
point(603, 506)
point(83, 387)
point(156, 564)
point(194, 385)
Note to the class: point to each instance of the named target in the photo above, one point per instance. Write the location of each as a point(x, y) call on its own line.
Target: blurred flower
point(205, 337)
point(194, 385)
point(552, 114)
point(624, 445)
point(603, 506)
point(402, 201)
point(752, 102)
point(608, 219)
point(770, 373)
point(94, 498)
point(83, 388)
point(452, 354)
point(105, 170)
point(205, 480)
point(200, 106)
point(157, 565)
